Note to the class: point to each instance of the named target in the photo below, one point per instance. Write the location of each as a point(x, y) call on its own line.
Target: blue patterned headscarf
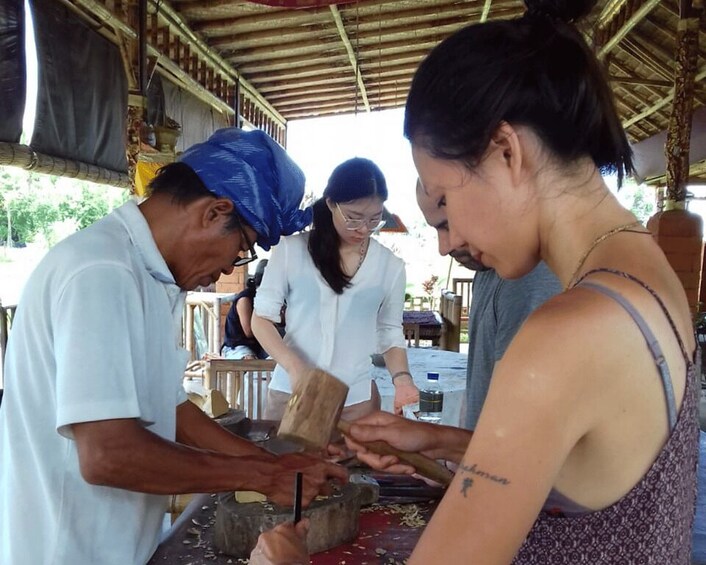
point(255, 172)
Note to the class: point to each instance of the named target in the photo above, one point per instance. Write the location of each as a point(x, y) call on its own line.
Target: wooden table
point(430, 323)
point(385, 536)
point(451, 367)
point(387, 533)
point(210, 304)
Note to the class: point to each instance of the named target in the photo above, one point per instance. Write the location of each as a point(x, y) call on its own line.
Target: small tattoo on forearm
point(473, 470)
point(467, 483)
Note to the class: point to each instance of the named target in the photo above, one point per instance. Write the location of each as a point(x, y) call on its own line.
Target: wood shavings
point(410, 514)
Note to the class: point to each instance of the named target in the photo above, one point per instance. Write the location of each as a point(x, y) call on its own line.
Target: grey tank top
point(652, 523)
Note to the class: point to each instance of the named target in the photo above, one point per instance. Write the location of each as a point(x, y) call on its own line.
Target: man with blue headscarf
point(95, 429)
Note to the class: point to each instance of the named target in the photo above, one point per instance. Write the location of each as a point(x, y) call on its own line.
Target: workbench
point(387, 535)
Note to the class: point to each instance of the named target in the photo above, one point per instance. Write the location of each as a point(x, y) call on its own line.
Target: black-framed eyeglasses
point(240, 261)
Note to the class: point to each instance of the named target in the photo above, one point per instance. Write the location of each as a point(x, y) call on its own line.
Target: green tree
point(32, 204)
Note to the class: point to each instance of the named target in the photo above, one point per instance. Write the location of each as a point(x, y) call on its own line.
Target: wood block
point(334, 521)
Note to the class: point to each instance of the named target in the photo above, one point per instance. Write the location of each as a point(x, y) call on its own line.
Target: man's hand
point(404, 434)
point(282, 545)
point(316, 474)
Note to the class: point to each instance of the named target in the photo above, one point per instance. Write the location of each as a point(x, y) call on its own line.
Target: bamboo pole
point(625, 29)
point(352, 56)
point(22, 156)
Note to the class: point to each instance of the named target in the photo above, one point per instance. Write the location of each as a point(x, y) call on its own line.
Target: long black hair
point(535, 71)
point(351, 180)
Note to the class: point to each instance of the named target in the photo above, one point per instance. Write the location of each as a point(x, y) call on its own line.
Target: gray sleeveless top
point(652, 523)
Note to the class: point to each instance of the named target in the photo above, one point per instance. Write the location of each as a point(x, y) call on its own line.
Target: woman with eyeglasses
point(344, 293)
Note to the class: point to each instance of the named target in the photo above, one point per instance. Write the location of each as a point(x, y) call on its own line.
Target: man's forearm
point(196, 429)
point(123, 454)
point(452, 443)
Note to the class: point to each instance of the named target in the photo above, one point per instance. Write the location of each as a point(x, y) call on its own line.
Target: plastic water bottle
point(431, 400)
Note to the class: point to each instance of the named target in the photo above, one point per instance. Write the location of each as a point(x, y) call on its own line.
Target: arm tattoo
point(473, 470)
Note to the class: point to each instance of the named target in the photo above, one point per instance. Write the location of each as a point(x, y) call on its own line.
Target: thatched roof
point(361, 55)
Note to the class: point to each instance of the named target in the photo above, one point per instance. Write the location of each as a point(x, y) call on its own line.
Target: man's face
point(436, 218)
point(208, 248)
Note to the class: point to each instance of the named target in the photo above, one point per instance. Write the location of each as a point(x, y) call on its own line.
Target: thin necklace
point(596, 242)
point(363, 249)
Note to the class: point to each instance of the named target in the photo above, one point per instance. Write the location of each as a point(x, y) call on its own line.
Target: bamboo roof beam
point(291, 63)
point(272, 20)
point(649, 85)
point(642, 58)
point(660, 104)
point(284, 87)
point(486, 11)
point(348, 102)
point(313, 70)
point(642, 81)
point(343, 109)
point(265, 19)
point(342, 69)
point(642, 102)
point(659, 56)
point(320, 43)
point(317, 81)
point(653, 56)
point(278, 96)
point(274, 35)
point(609, 12)
point(366, 57)
point(232, 45)
point(367, 50)
point(331, 96)
point(658, 25)
point(634, 19)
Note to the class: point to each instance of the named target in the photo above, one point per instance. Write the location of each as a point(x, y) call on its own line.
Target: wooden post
point(679, 132)
point(677, 231)
point(135, 116)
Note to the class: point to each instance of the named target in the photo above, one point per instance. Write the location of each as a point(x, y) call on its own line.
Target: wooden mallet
point(313, 413)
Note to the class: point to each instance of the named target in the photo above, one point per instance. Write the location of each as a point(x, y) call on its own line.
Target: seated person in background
point(240, 343)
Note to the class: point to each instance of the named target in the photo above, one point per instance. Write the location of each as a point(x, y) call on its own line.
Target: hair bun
point(564, 10)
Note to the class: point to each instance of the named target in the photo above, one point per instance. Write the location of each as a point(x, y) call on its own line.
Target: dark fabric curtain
point(82, 90)
point(649, 155)
point(198, 120)
point(12, 69)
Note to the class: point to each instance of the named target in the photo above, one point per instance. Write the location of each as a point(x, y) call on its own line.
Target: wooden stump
point(334, 521)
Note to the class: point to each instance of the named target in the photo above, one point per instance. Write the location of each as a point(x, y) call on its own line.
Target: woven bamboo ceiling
point(303, 61)
point(359, 56)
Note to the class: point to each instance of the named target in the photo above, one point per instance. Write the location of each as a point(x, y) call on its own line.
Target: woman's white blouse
point(336, 332)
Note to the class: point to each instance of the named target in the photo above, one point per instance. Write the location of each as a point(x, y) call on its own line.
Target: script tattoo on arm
point(467, 482)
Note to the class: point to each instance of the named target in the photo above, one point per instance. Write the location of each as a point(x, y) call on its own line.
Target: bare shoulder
point(563, 324)
point(560, 353)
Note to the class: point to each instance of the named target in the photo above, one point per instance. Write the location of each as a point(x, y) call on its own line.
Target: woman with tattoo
point(586, 447)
